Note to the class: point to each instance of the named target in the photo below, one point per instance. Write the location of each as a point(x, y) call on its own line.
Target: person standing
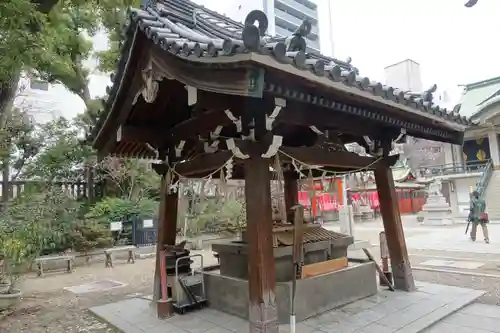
point(478, 216)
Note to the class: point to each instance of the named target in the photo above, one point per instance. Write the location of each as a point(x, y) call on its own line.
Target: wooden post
point(90, 184)
point(400, 263)
point(291, 189)
point(261, 268)
point(166, 235)
point(5, 183)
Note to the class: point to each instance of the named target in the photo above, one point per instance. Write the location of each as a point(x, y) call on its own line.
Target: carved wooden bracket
point(151, 83)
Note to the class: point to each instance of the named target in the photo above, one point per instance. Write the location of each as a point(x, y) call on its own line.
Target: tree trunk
point(8, 92)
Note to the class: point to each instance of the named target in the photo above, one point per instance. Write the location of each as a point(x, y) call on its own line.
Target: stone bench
point(40, 261)
point(109, 254)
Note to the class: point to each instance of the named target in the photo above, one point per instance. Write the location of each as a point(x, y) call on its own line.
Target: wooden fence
point(77, 190)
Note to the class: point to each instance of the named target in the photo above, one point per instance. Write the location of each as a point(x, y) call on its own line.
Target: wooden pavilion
point(194, 89)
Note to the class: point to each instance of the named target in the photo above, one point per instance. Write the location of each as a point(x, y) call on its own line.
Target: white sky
point(453, 44)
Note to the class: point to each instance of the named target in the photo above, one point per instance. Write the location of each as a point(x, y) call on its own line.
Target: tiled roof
point(475, 96)
point(189, 30)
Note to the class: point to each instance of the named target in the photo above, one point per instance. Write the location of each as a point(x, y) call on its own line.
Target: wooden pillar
point(261, 268)
point(90, 184)
point(291, 189)
point(166, 235)
point(400, 263)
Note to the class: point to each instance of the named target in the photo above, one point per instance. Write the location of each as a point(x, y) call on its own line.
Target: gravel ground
point(47, 307)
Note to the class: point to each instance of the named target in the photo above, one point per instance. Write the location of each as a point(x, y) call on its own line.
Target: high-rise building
point(289, 14)
point(284, 16)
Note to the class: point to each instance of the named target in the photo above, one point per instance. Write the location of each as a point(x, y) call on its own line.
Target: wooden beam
point(191, 128)
point(324, 267)
point(199, 125)
point(323, 157)
point(131, 133)
point(401, 268)
point(203, 163)
point(301, 114)
point(263, 315)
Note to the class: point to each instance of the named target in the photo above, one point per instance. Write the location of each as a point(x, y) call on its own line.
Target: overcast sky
point(453, 44)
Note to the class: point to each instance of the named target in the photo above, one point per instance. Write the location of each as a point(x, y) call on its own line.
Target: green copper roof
point(476, 93)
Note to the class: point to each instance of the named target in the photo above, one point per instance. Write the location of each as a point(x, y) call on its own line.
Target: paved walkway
point(475, 318)
point(441, 239)
point(386, 312)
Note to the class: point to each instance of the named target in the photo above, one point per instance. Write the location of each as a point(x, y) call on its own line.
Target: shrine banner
point(375, 203)
point(327, 202)
point(318, 185)
point(304, 199)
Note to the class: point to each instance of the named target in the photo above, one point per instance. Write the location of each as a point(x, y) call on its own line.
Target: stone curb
point(437, 270)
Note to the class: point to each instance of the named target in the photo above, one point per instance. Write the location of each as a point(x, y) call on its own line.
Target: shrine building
point(202, 95)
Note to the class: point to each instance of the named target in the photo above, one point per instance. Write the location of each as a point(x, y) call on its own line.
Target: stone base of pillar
point(436, 211)
point(164, 309)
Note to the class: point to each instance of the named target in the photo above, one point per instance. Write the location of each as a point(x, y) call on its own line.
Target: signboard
point(115, 226)
point(147, 224)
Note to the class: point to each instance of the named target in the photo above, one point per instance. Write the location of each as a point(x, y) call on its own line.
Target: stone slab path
point(475, 318)
point(385, 312)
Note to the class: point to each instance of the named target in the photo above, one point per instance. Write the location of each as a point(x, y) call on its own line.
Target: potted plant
point(4, 284)
point(19, 245)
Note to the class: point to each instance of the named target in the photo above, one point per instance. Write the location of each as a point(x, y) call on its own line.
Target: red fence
point(410, 201)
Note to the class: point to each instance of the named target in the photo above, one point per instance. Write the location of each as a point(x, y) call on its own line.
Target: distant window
point(39, 85)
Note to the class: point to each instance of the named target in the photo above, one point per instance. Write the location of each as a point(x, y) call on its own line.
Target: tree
point(131, 179)
point(114, 20)
point(44, 38)
point(22, 140)
point(62, 154)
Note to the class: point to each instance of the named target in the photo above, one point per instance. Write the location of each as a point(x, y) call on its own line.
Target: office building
point(284, 16)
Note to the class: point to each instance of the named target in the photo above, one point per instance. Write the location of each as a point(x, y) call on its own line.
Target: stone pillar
point(263, 315)
point(346, 220)
point(494, 149)
point(448, 154)
point(453, 198)
point(346, 217)
point(344, 191)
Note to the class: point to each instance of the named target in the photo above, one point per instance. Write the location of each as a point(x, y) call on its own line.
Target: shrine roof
point(197, 34)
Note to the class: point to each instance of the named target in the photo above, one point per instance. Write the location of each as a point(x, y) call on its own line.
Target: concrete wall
point(404, 75)
point(328, 291)
point(461, 193)
point(314, 295)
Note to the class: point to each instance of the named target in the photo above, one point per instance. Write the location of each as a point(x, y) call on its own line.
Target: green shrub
point(91, 235)
point(118, 209)
point(51, 210)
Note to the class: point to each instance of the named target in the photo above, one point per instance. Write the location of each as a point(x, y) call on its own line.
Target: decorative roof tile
point(189, 30)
